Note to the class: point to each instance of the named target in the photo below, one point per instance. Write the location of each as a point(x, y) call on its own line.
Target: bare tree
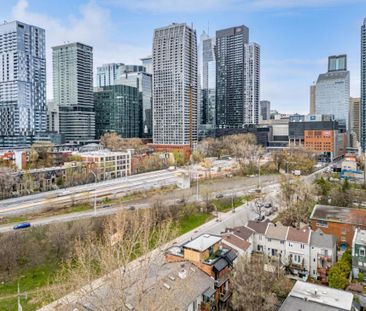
point(254, 288)
point(112, 258)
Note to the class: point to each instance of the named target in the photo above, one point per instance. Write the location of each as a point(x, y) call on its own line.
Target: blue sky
point(296, 36)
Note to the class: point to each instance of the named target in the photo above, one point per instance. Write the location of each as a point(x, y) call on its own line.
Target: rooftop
point(322, 240)
point(333, 75)
point(312, 297)
point(360, 237)
point(202, 242)
point(299, 235)
point(259, 227)
point(100, 153)
point(232, 241)
point(346, 215)
point(157, 287)
point(278, 232)
point(242, 232)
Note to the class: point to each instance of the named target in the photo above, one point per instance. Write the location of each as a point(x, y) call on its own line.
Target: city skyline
point(289, 63)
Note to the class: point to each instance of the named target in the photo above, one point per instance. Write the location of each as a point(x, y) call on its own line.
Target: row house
point(302, 251)
point(323, 254)
point(207, 253)
point(359, 253)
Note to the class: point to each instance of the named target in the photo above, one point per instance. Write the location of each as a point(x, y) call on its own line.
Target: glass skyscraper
point(207, 73)
point(143, 82)
point(333, 90)
point(117, 109)
point(73, 90)
point(108, 73)
point(237, 78)
point(23, 108)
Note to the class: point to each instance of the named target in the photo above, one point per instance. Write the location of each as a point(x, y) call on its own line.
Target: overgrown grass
point(226, 204)
point(30, 281)
point(190, 222)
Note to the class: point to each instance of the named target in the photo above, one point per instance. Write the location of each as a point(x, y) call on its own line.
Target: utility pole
point(95, 193)
point(20, 308)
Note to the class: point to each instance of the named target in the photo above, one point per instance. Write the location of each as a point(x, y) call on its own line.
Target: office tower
point(230, 63)
point(207, 74)
point(53, 117)
point(175, 86)
point(333, 90)
point(312, 99)
point(354, 116)
point(265, 110)
point(143, 82)
point(117, 109)
point(363, 86)
point(251, 83)
point(107, 73)
point(148, 64)
point(73, 90)
point(23, 109)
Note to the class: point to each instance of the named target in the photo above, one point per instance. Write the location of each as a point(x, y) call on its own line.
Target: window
point(322, 223)
point(302, 246)
point(362, 252)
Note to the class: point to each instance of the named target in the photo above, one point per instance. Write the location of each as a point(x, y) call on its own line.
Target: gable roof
point(257, 226)
point(299, 235)
point(322, 240)
point(242, 232)
point(230, 239)
point(278, 232)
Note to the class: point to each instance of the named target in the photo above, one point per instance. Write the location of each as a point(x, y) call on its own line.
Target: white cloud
point(168, 6)
point(91, 25)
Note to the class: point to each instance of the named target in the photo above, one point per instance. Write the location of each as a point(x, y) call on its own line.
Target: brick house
point(338, 221)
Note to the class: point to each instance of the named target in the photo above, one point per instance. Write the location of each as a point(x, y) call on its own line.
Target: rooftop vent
point(182, 274)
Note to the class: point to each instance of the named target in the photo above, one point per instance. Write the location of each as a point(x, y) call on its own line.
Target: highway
point(112, 188)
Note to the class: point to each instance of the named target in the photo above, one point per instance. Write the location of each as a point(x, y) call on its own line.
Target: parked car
point(268, 205)
point(260, 218)
point(131, 208)
point(22, 225)
point(219, 196)
point(106, 206)
point(180, 201)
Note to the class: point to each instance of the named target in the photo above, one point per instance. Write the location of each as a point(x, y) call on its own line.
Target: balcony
point(225, 296)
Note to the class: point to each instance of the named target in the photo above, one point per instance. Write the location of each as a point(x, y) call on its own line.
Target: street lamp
point(95, 192)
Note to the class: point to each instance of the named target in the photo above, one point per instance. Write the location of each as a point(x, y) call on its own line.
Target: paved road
point(115, 187)
point(240, 217)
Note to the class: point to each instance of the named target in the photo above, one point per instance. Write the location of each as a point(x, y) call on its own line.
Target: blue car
point(22, 225)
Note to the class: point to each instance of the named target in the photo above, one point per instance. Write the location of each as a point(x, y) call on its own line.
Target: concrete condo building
point(333, 90)
point(355, 116)
point(312, 98)
point(175, 87)
point(363, 85)
point(237, 78)
point(265, 110)
point(251, 83)
point(73, 90)
point(107, 73)
point(23, 108)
